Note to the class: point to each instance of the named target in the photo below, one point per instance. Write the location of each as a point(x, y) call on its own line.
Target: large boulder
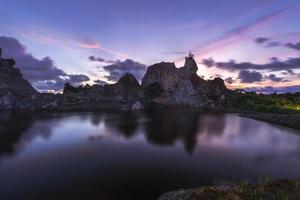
point(15, 91)
point(164, 73)
point(216, 87)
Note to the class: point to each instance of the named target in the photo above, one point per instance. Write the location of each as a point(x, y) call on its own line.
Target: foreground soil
point(225, 190)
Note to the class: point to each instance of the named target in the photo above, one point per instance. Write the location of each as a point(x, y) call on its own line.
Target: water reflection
point(165, 128)
point(112, 155)
point(12, 127)
point(159, 128)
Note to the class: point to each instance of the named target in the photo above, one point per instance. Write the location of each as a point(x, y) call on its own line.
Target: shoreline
point(288, 120)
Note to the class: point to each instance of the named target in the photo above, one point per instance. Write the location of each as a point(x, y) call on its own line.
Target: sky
point(252, 44)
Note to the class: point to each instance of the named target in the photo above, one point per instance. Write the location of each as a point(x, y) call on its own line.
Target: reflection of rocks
point(19, 129)
point(12, 126)
point(166, 127)
point(126, 122)
point(137, 106)
point(213, 124)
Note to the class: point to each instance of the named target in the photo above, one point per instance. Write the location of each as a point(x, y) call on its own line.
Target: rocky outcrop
point(182, 86)
point(15, 91)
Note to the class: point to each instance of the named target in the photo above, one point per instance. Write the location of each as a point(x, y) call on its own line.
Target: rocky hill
point(164, 85)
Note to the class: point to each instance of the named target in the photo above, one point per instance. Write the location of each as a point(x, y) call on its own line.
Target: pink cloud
point(88, 45)
point(235, 35)
point(83, 43)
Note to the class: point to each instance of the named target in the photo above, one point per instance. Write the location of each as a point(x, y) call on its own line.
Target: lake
point(137, 155)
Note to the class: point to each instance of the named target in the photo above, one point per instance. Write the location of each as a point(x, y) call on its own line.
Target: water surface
point(125, 155)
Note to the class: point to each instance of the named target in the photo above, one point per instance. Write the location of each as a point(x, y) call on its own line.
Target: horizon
point(250, 44)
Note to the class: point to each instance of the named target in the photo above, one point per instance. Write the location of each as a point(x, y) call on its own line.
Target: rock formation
point(120, 95)
point(15, 91)
point(163, 85)
point(182, 86)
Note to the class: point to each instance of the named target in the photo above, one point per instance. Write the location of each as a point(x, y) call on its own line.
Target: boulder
point(164, 73)
point(128, 88)
point(137, 106)
point(217, 87)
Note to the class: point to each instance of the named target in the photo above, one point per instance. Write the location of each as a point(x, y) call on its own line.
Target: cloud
point(250, 76)
point(267, 42)
point(254, 76)
point(71, 42)
point(235, 35)
point(270, 89)
point(208, 62)
point(294, 46)
point(274, 78)
point(96, 59)
point(275, 65)
point(273, 44)
point(176, 52)
point(99, 59)
point(77, 78)
point(261, 40)
point(119, 68)
point(229, 80)
point(88, 44)
point(42, 73)
point(100, 82)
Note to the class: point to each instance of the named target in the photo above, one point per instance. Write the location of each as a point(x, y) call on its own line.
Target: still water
point(136, 156)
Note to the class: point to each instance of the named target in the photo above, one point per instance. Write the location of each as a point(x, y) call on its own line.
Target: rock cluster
point(163, 85)
point(120, 95)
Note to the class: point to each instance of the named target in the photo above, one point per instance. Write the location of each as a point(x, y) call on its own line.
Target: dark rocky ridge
point(163, 85)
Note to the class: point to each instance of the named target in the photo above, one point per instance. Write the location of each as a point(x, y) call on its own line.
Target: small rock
point(137, 106)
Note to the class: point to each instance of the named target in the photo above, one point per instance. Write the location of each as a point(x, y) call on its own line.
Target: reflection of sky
point(248, 135)
point(151, 31)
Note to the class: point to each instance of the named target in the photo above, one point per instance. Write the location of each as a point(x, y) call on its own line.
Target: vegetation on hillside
point(287, 103)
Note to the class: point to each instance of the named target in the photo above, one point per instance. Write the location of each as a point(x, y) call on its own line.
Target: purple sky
point(252, 43)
